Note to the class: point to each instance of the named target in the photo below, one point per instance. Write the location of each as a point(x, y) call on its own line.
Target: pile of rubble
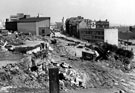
point(32, 72)
point(16, 38)
point(102, 74)
point(11, 39)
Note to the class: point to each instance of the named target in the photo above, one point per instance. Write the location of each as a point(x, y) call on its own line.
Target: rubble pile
point(32, 72)
point(17, 38)
point(102, 74)
point(96, 76)
point(11, 39)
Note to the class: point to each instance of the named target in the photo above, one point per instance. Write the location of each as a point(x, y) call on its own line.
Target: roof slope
point(33, 19)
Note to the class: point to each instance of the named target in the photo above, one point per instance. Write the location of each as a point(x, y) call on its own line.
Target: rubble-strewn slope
point(77, 73)
point(103, 74)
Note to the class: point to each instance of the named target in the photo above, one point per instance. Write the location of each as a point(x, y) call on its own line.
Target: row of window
point(98, 37)
point(102, 26)
point(93, 37)
point(93, 32)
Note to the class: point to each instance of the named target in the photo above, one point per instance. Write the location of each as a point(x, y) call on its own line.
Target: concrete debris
point(5, 89)
point(33, 51)
point(61, 52)
point(32, 71)
point(98, 74)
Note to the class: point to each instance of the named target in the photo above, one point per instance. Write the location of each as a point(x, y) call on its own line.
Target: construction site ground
point(122, 81)
point(101, 77)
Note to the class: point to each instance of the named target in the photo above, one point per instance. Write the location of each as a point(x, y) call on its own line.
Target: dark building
point(59, 26)
point(11, 23)
point(11, 26)
point(102, 24)
point(92, 31)
point(72, 26)
point(92, 35)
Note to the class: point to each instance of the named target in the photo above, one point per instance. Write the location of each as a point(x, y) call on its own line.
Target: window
point(43, 31)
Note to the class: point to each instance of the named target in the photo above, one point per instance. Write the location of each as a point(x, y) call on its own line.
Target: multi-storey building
point(26, 24)
point(100, 35)
point(91, 35)
point(99, 32)
point(34, 25)
point(72, 25)
point(92, 31)
point(11, 23)
point(102, 24)
point(18, 16)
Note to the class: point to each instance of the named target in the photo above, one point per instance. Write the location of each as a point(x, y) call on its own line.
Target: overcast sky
point(116, 11)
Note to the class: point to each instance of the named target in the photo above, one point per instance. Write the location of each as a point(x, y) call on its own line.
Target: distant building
point(11, 23)
point(92, 35)
point(34, 25)
point(86, 23)
point(72, 25)
point(97, 31)
point(91, 30)
point(82, 24)
point(25, 23)
point(52, 26)
point(18, 16)
point(11, 26)
point(59, 26)
point(100, 35)
point(102, 24)
point(111, 36)
point(93, 24)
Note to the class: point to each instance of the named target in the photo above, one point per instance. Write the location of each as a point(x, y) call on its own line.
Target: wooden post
point(53, 80)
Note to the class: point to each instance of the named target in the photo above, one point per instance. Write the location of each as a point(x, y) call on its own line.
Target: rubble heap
point(32, 72)
point(11, 39)
point(103, 74)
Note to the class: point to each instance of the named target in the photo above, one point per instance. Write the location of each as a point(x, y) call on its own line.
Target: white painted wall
point(93, 24)
point(111, 36)
point(27, 27)
point(45, 23)
point(83, 24)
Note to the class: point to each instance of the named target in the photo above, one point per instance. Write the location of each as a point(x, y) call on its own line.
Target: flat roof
point(33, 19)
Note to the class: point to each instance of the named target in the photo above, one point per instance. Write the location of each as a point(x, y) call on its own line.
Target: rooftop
point(33, 19)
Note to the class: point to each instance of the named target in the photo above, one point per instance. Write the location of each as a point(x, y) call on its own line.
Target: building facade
point(34, 25)
point(72, 26)
point(92, 35)
point(11, 26)
point(11, 23)
point(91, 30)
point(102, 24)
point(98, 31)
point(111, 36)
point(18, 16)
point(100, 35)
point(59, 26)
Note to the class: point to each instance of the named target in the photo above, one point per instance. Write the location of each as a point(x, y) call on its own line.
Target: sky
point(116, 11)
